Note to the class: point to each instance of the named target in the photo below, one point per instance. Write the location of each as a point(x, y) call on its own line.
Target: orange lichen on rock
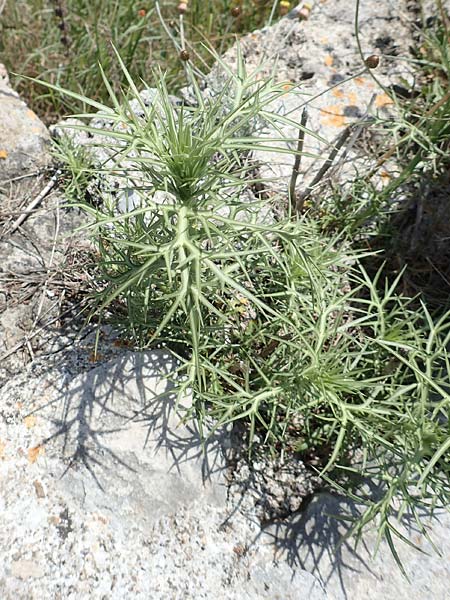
point(29, 421)
point(383, 100)
point(34, 453)
point(329, 60)
point(385, 177)
point(363, 81)
point(338, 93)
point(333, 115)
point(3, 154)
point(2, 449)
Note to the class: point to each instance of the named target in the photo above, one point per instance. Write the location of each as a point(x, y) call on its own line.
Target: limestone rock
point(127, 504)
point(319, 62)
point(311, 540)
point(35, 252)
point(119, 420)
point(41, 249)
point(24, 569)
point(430, 8)
point(24, 139)
point(280, 582)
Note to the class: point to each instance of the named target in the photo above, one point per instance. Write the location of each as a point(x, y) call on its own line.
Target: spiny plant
point(274, 325)
point(171, 261)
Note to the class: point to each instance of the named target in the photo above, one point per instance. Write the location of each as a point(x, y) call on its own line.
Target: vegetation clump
point(283, 321)
point(276, 325)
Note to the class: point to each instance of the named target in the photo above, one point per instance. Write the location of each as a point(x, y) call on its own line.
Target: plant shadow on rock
point(315, 536)
point(120, 422)
point(317, 540)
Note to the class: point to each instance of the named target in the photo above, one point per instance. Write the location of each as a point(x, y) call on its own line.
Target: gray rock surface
point(35, 270)
point(322, 54)
point(310, 541)
point(120, 420)
point(104, 494)
point(36, 265)
point(24, 139)
point(430, 8)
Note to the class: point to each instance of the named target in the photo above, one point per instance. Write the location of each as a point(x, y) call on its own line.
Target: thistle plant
point(175, 264)
point(274, 325)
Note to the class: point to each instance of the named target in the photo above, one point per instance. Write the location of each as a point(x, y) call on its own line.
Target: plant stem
point(298, 159)
point(324, 168)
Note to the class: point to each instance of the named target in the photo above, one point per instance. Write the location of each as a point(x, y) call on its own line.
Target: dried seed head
point(284, 7)
point(184, 55)
point(372, 61)
point(303, 14)
point(182, 8)
point(236, 11)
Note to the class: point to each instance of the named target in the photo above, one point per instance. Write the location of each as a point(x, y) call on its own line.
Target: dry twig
point(42, 194)
point(354, 130)
point(298, 159)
